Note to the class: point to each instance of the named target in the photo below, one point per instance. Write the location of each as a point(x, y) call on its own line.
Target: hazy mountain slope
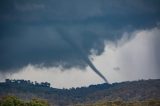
point(128, 91)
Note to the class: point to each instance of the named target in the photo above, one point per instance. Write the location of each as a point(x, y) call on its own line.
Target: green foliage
point(38, 102)
point(10, 101)
point(14, 101)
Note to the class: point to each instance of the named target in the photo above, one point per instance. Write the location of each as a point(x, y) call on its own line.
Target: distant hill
point(126, 91)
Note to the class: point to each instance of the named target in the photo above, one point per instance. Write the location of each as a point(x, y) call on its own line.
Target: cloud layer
point(30, 32)
point(130, 58)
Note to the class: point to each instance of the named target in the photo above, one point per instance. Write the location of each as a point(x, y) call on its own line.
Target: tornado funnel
point(84, 56)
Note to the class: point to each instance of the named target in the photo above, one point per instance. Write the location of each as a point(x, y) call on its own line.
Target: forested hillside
point(126, 91)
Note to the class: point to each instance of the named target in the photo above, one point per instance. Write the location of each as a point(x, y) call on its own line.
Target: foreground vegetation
point(121, 103)
point(14, 101)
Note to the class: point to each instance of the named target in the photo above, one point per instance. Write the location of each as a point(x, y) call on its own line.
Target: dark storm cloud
point(28, 29)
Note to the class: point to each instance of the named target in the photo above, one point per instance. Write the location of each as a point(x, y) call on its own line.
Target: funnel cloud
point(83, 55)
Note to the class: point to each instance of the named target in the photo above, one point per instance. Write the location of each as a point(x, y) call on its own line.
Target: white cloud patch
point(134, 58)
point(131, 58)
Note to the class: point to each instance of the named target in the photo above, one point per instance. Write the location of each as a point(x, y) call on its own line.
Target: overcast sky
point(52, 40)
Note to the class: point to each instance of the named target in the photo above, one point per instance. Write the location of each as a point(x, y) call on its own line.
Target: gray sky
point(52, 40)
point(128, 59)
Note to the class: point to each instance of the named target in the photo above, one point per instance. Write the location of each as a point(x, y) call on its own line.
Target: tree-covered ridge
point(126, 91)
point(26, 83)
